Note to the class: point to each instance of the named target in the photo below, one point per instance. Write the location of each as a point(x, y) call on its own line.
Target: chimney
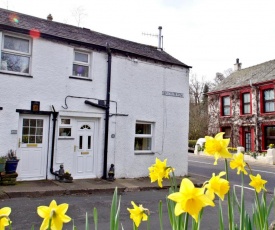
point(238, 65)
point(160, 37)
point(50, 17)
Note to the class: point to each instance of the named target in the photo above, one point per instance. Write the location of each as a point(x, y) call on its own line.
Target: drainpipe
point(55, 114)
point(107, 112)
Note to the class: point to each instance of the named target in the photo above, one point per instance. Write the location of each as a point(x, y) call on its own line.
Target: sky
point(208, 35)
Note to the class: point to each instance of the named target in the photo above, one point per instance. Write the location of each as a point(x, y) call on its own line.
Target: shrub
point(192, 143)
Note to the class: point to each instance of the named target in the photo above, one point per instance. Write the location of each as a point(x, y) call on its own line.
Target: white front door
point(84, 150)
point(32, 147)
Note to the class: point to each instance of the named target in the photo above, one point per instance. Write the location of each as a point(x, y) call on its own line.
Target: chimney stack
point(160, 37)
point(50, 17)
point(238, 65)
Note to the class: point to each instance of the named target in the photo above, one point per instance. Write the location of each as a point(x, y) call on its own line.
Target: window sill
point(16, 74)
point(266, 114)
point(144, 153)
point(246, 115)
point(80, 78)
point(65, 138)
point(221, 116)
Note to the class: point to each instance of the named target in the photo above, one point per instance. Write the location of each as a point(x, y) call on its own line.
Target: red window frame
point(242, 92)
point(262, 103)
point(264, 125)
point(221, 105)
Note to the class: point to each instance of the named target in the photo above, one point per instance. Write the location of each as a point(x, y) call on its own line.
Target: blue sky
point(206, 34)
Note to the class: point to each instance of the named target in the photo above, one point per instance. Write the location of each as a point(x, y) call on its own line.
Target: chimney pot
point(50, 17)
point(160, 37)
point(238, 65)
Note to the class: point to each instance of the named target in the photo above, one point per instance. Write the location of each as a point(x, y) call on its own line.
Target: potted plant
point(3, 160)
point(12, 162)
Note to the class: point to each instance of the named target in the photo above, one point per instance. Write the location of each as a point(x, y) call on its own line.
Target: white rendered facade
point(136, 96)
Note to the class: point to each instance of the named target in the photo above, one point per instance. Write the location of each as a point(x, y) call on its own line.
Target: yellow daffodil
point(137, 214)
point(190, 199)
point(217, 147)
point(217, 185)
point(4, 217)
point(54, 212)
point(239, 163)
point(158, 171)
point(257, 182)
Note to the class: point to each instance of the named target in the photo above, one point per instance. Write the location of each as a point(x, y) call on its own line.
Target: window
point(81, 64)
point(32, 131)
point(65, 128)
point(143, 137)
point(15, 54)
point(226, 106)
point(268, 97)
point(269, 132)
point(246, 109)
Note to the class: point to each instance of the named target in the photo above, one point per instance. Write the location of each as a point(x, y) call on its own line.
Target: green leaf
point(113, 210)
point(95, 218)
point(87, 222)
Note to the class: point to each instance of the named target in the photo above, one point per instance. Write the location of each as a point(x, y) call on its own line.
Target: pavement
point(84, 186)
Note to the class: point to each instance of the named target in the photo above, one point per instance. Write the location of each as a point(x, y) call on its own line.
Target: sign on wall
point(172, 94)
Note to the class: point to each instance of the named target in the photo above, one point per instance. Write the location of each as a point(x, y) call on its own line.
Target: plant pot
point(2, 167)
point(11, 166)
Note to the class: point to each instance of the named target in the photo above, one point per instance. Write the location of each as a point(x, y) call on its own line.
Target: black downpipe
point(107, 112)
point(55, 114)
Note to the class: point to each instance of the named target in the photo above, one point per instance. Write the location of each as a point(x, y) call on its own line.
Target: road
point(203, 166)
point(24, 213)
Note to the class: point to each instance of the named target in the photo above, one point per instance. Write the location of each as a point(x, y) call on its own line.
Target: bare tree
point(198, 116)
point(196, 88)
point(79, 14)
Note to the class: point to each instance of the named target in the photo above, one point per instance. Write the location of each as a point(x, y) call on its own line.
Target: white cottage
point(87, 100)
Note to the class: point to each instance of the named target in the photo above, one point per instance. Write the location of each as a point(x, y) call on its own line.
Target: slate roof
point(255, 74)
point(52, 29)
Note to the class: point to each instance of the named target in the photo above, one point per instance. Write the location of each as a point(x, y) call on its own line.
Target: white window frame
point(86, 64)
point(65, 126)
point(14, 52)
point(151, 136)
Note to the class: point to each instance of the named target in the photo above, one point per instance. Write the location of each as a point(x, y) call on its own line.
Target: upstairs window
point(226, 106)
point(81, 64)
point(246, 105)
point(143, 137)
point(268, 100)
point(15, 54)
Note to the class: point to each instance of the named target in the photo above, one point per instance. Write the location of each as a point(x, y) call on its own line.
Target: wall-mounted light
point(35, 106)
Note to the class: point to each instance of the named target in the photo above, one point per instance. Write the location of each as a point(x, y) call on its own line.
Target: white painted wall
point(136, 87)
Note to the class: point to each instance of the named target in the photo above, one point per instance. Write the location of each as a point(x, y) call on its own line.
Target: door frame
point(45, 145)
point(95, 145)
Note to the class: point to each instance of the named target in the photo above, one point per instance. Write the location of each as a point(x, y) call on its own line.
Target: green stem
point(259, 209)
point(230, 212)
point(242, 204)
point(160, 215)
point(186, 218)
